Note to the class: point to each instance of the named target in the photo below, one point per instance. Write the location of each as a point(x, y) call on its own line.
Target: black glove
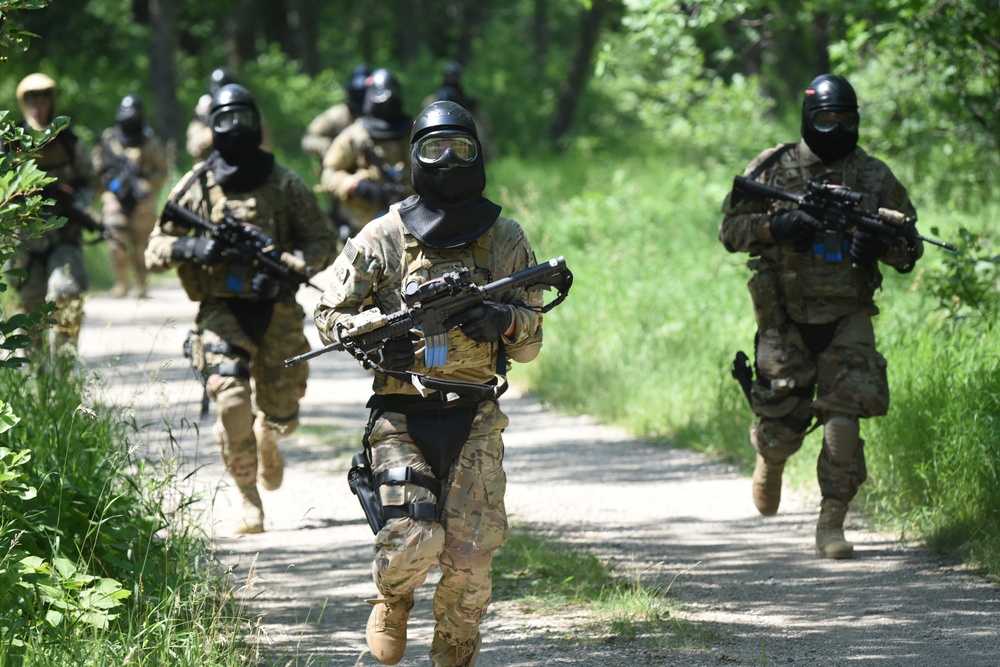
point(867, 248)
point(794, 225)
point(397, 354)
point(265, 287)
point(196, 248)
point(370, 190)
point(484, 323)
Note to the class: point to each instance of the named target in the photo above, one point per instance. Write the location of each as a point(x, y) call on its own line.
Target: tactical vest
point(231, 278)
point(819, 285)
point(466, 360)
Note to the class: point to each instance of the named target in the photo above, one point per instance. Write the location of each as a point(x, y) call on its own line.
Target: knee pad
point(841, 438)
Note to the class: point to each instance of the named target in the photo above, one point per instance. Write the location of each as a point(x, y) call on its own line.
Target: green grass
point(658, 309)
point(102, 560)
point(541, 575)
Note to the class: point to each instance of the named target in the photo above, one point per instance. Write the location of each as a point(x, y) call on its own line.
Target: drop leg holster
point(438, 429)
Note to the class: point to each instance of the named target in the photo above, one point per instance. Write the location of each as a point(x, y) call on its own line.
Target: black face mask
point(130, 131)
point(236, 147)
point(241, 176)
point(829, 146)
point(450, 210)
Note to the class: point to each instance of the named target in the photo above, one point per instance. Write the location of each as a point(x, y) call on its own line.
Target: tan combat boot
point(767, 486)
point(119, 291)
point(252, 521)
point(386, 630)
point(270, 465)
point(830, 542)
point(443, 654)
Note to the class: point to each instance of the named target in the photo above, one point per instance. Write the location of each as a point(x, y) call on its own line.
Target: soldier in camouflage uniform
point(248, 322)
point(367, 166)
point(132, 166)
point(438, 440)
point(54, 263)
point(324, 128)
point(815, 345)
point(199, 132)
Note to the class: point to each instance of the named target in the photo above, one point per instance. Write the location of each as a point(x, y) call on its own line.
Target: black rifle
point(239, 239)
point(126, 172)
point(393, 188)
point(66, 204)
point(837, 207)
point(431, 305)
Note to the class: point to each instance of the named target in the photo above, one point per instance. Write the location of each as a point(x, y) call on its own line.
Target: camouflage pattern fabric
point(371, 270)
point(789, 289)
point(285, 209)
point(324, 128)
point(347, 162)
point(129, 232)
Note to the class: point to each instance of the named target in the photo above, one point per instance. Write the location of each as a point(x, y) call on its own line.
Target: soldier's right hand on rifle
point(794, 225)
point(197, 249)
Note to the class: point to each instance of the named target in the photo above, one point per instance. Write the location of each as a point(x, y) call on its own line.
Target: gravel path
point(668, 516)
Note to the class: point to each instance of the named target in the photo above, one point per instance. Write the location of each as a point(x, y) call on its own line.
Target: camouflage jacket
point(384, 256)
point(808, 287)
point(283, 207)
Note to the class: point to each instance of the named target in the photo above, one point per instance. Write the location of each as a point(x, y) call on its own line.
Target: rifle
point(126, 172)
point(240, 239)
point(393, 189)
point(66, 203)
point(430, 305)
point(837, 207)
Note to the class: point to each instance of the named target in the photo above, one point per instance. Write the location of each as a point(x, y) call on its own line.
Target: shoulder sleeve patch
point(350, 251)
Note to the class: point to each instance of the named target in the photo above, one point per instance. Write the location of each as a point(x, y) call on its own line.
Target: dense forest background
point(717, 77)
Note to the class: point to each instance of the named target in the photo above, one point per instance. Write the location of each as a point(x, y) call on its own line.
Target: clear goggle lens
point(826, 121)
point(229, 120)
point(433, 148)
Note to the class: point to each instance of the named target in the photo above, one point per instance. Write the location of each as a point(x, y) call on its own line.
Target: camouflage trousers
point(58, 275)
point(129, 235)
point(473, 524)
point(838, 385)
point(248, 380)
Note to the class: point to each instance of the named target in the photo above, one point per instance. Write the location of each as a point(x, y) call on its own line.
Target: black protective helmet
point(235, 122)
point(356, 86)
point(830, 117)
point(220, 77)
point(383, 96)
point(443, 115)
point(452, 73)
point(829, 91)
point(129, 109)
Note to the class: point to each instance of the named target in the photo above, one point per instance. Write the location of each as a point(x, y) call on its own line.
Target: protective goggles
point(826, 120)
point(439, 149)
point(229, 120)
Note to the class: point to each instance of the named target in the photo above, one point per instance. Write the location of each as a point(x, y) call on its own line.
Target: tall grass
point(658, 309)
point(101, 559)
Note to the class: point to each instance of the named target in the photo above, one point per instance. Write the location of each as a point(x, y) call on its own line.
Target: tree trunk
point(540, 32)
point(303, 20)
point(821, 35)
point(167, 119)
point(240, 38)
point(579, 71)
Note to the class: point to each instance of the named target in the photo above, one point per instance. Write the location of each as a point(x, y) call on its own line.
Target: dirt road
point(669, 516)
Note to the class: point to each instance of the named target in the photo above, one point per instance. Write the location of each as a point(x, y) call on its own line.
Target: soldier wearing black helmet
point(132, 165)
point(325, 127)
point(448, 224)
point(813, 298)
point(199, 134)
point(367, 166)
point(53, 263)
point(247, 322)
point(453, 90)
